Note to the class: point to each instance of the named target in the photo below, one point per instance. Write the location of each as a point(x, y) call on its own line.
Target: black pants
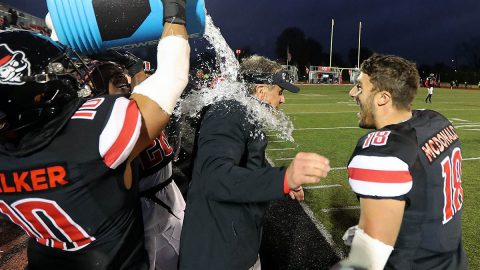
point(429, 98)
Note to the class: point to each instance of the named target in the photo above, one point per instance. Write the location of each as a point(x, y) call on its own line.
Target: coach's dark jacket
point(230, 189)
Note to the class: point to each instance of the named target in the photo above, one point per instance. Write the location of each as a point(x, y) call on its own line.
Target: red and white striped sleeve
point(379, 176)
point(120, 133)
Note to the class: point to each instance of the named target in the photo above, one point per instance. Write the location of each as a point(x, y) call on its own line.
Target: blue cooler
point(91, 26)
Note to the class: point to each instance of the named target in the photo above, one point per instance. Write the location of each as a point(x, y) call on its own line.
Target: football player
point(407, 174)
point(66, 174)
point(162, 202)
point(430, 82)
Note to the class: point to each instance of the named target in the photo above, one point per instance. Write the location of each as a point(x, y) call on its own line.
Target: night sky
point(425, 31)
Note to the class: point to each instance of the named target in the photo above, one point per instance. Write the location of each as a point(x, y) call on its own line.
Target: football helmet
point(109, 78)
point(38, 76)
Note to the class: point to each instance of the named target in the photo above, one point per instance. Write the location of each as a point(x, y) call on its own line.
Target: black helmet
point(104, 72)
point(38, 76)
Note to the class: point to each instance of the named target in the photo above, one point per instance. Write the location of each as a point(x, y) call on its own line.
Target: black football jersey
point(418, 161)
point(156, 156)
point(70, 197)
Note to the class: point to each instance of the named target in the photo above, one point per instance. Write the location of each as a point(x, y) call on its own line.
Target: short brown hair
point(256, 64)
point(394, 74)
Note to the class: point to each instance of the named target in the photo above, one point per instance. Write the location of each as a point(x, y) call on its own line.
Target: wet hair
point(394, 74)
point(256, 64)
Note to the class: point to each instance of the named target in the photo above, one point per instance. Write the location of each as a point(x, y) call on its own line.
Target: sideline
point(321, 228)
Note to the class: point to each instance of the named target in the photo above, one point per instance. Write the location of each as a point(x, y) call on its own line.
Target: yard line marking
point(322, 112)
point(321, 228)
point(474, 129)
point(321, 186)
point(357, 111)
point(328, 210)
point(472, 158)
point(446, 102)
point(327, 128)
point(468, 125)
point(459, 109)
point(332, 128)
point(285, 158)
point(281, 149)
point(458, 119)
point(313, 95)
point(325, 100)
point(305, 104)
point(276, 141)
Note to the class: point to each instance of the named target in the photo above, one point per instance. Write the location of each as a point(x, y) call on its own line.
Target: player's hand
point(307, 168)
point(174, 11)
point(297, 194)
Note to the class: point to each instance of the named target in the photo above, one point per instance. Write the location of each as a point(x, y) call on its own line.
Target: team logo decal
point(13, 66)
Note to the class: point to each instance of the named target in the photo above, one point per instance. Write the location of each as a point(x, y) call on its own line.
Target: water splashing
point(227, 88)
point(226, 61)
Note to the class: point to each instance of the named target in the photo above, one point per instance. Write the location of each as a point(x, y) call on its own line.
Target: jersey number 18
point(452, 185)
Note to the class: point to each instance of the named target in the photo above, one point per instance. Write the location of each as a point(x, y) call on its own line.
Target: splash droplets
point(270, 119)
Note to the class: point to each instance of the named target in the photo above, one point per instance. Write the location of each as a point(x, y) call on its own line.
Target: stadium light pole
point(359, 42)
point(331, 42)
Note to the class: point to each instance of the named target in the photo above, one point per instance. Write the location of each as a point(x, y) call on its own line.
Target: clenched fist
point(307, 168)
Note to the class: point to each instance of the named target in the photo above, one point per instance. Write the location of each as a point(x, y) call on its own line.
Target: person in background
point(430, 82)
point(407, 174)
point(232, 182)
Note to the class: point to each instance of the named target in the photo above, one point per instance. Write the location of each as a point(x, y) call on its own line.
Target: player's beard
point(366, 116)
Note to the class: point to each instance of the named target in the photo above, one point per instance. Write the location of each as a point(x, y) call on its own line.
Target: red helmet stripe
point(5, 59)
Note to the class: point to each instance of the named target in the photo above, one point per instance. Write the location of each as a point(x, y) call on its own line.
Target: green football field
point(325, 122)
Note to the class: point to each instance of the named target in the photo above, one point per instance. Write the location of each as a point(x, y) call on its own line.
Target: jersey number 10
point(452, 185)
point(26, 214)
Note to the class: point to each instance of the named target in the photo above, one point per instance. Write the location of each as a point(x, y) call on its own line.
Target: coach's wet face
point(271, 94)
point(363, 95)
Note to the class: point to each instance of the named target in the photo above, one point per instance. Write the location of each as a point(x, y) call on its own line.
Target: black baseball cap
point(281, 79)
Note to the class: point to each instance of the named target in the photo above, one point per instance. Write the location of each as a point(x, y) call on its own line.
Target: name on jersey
point(439, 143)
point(33, 180)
